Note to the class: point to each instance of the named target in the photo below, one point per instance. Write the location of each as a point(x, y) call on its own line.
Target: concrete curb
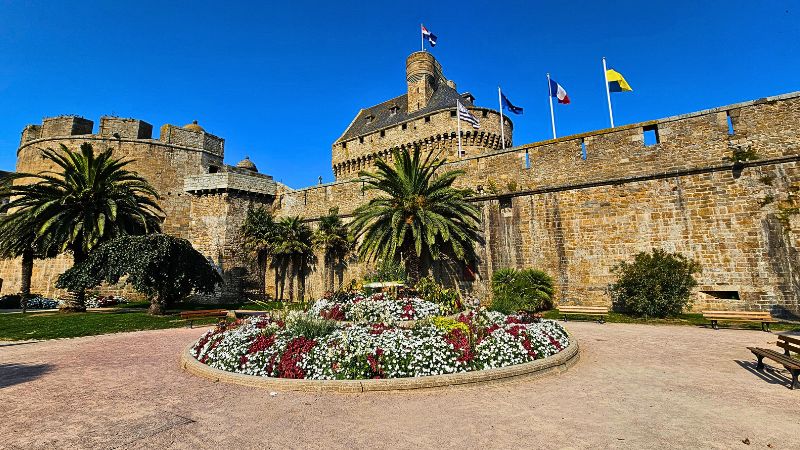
point(557, 363)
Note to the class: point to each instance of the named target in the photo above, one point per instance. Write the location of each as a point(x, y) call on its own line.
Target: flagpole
point(458, 119)
point(608, 93)
point(502, 128)
point(550, 97)
point(421, 37)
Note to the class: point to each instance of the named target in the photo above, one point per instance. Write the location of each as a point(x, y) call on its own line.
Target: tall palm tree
point(418, 217)
point(293, 246)
point(334, 239)
point(89, 199)
point(260, 233)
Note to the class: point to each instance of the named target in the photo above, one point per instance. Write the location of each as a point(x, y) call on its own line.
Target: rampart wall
point(546, 206)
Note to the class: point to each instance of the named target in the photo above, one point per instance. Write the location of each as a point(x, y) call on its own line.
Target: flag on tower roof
point(430, 36)
point(466, 116)
point(558, 92)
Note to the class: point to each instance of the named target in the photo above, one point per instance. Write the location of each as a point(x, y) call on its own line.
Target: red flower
point(261, 343)
point(460, 342)
point(295, 350)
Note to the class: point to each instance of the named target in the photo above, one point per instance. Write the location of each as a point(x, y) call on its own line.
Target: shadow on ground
point(11, 374)
point(770, 374)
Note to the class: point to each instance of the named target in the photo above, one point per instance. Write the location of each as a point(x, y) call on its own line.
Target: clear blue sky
point(280, 81)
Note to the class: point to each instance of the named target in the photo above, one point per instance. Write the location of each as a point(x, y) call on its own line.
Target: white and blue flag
point(430, 36)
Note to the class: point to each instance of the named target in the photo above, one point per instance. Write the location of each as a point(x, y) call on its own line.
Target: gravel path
point(635, 386)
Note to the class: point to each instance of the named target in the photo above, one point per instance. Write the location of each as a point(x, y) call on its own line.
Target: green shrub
point(448, 299)
point(386, 270)
point(302, 324)
point(521, 290)
point(444, 324)
point(657, 284)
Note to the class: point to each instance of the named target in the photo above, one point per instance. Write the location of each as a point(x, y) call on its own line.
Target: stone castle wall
point(546, 206)
point(164, 163)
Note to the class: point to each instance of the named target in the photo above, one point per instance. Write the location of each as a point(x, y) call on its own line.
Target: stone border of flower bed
point(559, 362)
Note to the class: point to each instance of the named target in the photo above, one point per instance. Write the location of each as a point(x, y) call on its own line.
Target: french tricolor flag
point(558, 92)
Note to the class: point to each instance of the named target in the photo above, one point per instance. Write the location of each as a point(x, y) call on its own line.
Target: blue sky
point(280, 81)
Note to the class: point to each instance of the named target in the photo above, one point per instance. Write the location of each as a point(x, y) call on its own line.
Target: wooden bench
point(599, 311)
point(739, 316)
point(191, 316)
point(788, 344)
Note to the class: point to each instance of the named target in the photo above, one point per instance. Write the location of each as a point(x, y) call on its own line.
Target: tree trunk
point(325, 272)
point(290, 271)
point(75, 301)
point(412, 266)
point(301, 280)
point(157, 307)
point(25, 282)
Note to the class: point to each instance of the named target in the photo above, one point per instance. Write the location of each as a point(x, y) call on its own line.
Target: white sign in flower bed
point(304, 346)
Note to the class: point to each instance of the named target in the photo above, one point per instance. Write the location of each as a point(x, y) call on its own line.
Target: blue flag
point(508, 106)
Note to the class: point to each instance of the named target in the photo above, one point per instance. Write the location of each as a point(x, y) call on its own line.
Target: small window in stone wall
point(723, 295)
point(506, 209)
point(527, 160)
point(404, 126)
point(650, 135)
point(583, 149)
point(485, 114)
point(383, 133)
point(731, 129)
point(344, 145)
point(213, 169)
point(452, 113)
point(361, 139)
point(427, 119)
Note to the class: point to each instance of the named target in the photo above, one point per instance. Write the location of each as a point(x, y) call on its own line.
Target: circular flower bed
point(306, 346)
point(375, 308)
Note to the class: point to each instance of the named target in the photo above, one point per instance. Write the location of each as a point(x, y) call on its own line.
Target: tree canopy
point(162, 267)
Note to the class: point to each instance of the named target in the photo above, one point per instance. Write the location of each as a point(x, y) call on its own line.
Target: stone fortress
point(574, 206)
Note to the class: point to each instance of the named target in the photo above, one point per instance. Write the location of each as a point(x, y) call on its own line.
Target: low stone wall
point(555, 364)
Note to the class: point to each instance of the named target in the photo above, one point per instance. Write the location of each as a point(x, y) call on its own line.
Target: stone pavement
point(635, 386)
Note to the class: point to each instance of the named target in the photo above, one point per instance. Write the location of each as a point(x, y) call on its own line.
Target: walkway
point(636, 386)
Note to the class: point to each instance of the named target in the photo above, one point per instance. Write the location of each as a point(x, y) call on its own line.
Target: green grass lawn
point(683, 319)
point(53, 325)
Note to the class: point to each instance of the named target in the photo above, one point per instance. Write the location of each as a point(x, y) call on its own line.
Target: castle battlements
point(191, 136)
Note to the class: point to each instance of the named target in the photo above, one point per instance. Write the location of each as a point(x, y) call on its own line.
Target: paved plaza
point(635, 386)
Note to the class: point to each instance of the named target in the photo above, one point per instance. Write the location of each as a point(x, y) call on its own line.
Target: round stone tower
point(423, 74)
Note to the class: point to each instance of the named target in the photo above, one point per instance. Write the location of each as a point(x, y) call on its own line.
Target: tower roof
point(193, 127)
point(247, 164)
point(395, 111)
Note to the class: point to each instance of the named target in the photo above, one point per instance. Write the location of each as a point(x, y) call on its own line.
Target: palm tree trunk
point(301, 279)
point(412, 266)
point(290, 270)
point(25, 282)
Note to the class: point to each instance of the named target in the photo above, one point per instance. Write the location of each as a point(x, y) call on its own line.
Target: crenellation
point(66, 126)
point(121, 128)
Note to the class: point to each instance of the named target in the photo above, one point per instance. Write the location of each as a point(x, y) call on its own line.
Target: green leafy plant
point(527, 290)
point(386, 270)
point(310, 327)
point(657, 284)
point(430, 290)
point(444, 324)
point(741, 154)
point(164, 268)
point(417, 215)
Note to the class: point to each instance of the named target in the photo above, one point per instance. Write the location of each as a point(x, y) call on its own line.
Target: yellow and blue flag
point(616, 82)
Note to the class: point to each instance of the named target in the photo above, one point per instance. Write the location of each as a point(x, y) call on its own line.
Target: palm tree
point(293, 247)
point(89, 200)
point(18, 239)
point(334, 239)
point(260, 236)
point(419, 217)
